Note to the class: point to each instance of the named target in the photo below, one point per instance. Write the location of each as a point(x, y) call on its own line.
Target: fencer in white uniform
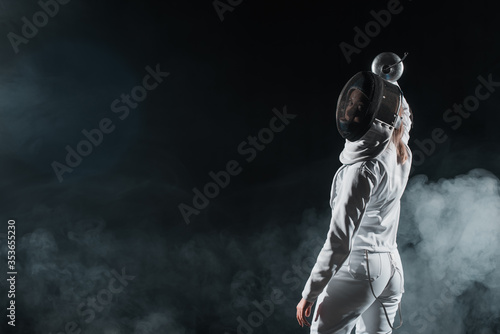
point(358, 276)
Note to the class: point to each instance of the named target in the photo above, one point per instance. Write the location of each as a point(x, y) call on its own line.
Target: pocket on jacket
point(358, 268)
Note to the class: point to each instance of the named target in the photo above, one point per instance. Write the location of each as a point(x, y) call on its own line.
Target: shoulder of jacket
point(370, 168)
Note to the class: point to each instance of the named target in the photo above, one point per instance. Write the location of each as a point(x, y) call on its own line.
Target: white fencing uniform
point(365, 202)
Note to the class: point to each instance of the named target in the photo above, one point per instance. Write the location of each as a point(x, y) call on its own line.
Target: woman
point(358, 275)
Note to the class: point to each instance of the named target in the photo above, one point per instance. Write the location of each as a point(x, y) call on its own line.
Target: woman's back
point(378, 228)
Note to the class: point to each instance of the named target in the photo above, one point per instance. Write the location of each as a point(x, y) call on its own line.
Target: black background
point(119, 207)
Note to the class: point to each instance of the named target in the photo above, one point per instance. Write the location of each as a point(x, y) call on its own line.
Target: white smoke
point(448, 238)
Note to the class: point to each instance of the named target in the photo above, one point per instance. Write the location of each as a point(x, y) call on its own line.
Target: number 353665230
point(11, 236)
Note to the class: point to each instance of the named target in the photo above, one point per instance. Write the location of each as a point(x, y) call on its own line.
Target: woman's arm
point(347, 211)
point(407, 121)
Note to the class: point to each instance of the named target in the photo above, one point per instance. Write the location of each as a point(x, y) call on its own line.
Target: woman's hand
point(303, 311)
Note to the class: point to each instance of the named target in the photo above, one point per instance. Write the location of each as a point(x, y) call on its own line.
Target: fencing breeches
point(348, 300)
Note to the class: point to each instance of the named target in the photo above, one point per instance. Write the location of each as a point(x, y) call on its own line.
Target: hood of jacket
point(368, 147)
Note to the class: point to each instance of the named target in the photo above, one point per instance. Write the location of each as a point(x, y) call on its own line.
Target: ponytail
point(397, 136)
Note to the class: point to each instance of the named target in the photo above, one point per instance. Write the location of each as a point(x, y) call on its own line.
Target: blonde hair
point(397, 136)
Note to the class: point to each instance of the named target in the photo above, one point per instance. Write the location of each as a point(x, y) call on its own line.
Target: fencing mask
point(367, 98)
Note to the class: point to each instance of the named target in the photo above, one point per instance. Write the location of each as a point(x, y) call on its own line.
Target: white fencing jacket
point(365, 201)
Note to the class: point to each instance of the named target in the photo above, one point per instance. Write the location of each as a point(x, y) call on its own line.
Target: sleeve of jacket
point(407, 121)
point(348, 208)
